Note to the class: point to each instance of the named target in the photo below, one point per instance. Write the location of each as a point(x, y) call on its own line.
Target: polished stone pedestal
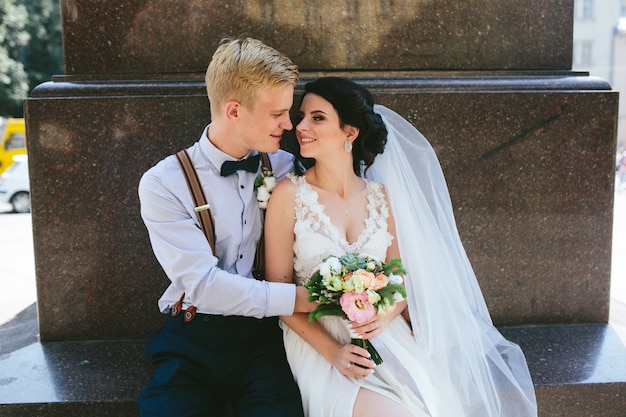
point(81, 379)
point(528, 160)
point(578, 371)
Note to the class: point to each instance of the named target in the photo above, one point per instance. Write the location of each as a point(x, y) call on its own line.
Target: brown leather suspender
point(206, 221)
point(202, 207)
point(204, 212)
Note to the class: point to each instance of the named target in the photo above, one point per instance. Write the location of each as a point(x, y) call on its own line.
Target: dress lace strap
point(310, 214)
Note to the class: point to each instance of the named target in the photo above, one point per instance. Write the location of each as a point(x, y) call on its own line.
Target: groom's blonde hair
point(240, 68)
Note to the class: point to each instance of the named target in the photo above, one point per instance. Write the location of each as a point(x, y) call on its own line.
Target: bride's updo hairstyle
point(355, 106)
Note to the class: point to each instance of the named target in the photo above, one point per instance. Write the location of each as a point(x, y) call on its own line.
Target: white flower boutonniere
point(264, 185)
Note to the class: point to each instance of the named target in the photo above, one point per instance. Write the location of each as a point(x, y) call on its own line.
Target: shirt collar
point(213, 153)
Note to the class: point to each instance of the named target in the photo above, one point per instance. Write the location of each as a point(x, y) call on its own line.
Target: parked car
point(12, 140)
point(15, 185)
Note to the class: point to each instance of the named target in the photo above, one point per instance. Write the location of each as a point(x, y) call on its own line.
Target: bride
point(377, 188)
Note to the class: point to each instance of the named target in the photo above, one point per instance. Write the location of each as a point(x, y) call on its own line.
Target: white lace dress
point(404, 375)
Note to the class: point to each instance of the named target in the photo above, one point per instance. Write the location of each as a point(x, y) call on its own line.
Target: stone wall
point(169, 36)
point(525, 143)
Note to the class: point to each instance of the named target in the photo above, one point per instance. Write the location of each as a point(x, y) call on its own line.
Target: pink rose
point(367, 277)
point(357, 307)
point(380, 281)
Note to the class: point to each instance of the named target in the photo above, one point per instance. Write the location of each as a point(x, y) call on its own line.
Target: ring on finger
point(349, 365)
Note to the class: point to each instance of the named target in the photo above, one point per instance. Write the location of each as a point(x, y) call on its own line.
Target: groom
point(232, 349)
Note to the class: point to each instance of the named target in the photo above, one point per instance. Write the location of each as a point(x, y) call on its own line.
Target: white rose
point(395, 279)
point(269, 183)
point(372, 296)
point(262, 194)
point(325, 270)
point(334, 264)
point(397, 297)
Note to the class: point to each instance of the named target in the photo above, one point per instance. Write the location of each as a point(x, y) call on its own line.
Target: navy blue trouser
point(201, 365)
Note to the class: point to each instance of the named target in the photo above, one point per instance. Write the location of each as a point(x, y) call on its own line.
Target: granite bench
point(578, 370)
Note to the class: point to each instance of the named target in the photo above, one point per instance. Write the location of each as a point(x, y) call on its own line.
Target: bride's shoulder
point(293, 180)
point(287, 184)
point(283, 194)
point(374, 185)
point(378, 189)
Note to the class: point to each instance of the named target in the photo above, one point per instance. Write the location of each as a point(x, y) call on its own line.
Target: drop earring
point(347, 146)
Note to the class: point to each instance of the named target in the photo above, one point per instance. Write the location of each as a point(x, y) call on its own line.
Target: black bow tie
point(250, 164)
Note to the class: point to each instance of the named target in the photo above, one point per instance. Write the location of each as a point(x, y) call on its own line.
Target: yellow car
point(12, 141)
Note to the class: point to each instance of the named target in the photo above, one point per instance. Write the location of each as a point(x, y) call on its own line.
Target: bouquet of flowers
point(356, 287)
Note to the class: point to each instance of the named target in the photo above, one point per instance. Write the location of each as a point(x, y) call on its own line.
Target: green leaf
point(394, 266)
point(326, 310)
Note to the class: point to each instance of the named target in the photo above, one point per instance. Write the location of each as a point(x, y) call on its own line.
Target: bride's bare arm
point(280, 219)
point(279, 239)
point(394, 252)
point(278, 235)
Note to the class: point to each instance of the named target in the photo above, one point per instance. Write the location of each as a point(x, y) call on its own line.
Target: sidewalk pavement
point(17, 265)
point(18, 312)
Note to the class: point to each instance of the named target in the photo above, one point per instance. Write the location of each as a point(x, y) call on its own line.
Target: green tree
point(13, 38)
point(30, 49)
point(43, 57)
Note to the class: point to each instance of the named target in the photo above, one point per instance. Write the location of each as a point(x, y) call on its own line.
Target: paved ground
point(18, 326)
point(18, 312)
point(17, 267)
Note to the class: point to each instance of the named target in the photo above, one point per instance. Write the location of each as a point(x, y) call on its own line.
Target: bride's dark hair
point(355, 107)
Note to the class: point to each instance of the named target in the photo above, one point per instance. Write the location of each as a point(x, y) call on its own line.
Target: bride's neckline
point(333, 231)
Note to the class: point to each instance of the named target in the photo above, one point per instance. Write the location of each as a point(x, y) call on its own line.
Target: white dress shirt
point(219, 283)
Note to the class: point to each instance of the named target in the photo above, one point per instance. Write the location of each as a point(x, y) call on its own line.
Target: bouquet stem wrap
point(365, 344)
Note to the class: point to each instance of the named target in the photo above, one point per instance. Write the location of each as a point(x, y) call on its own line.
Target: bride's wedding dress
point(406, 375)
point(456, 363)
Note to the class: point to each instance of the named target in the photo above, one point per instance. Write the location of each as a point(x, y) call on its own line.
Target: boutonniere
point(264, 185)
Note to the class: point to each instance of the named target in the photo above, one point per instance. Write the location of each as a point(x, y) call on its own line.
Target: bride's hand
point(352, 360)
point(372, 328)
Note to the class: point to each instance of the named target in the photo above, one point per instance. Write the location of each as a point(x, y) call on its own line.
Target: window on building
point(583, 9)
point(583, 53)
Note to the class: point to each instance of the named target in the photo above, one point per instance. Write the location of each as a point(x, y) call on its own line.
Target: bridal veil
point(487, 373)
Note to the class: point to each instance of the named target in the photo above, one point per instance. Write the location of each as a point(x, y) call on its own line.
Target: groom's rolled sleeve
point(182, 249)
point(282, 299)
